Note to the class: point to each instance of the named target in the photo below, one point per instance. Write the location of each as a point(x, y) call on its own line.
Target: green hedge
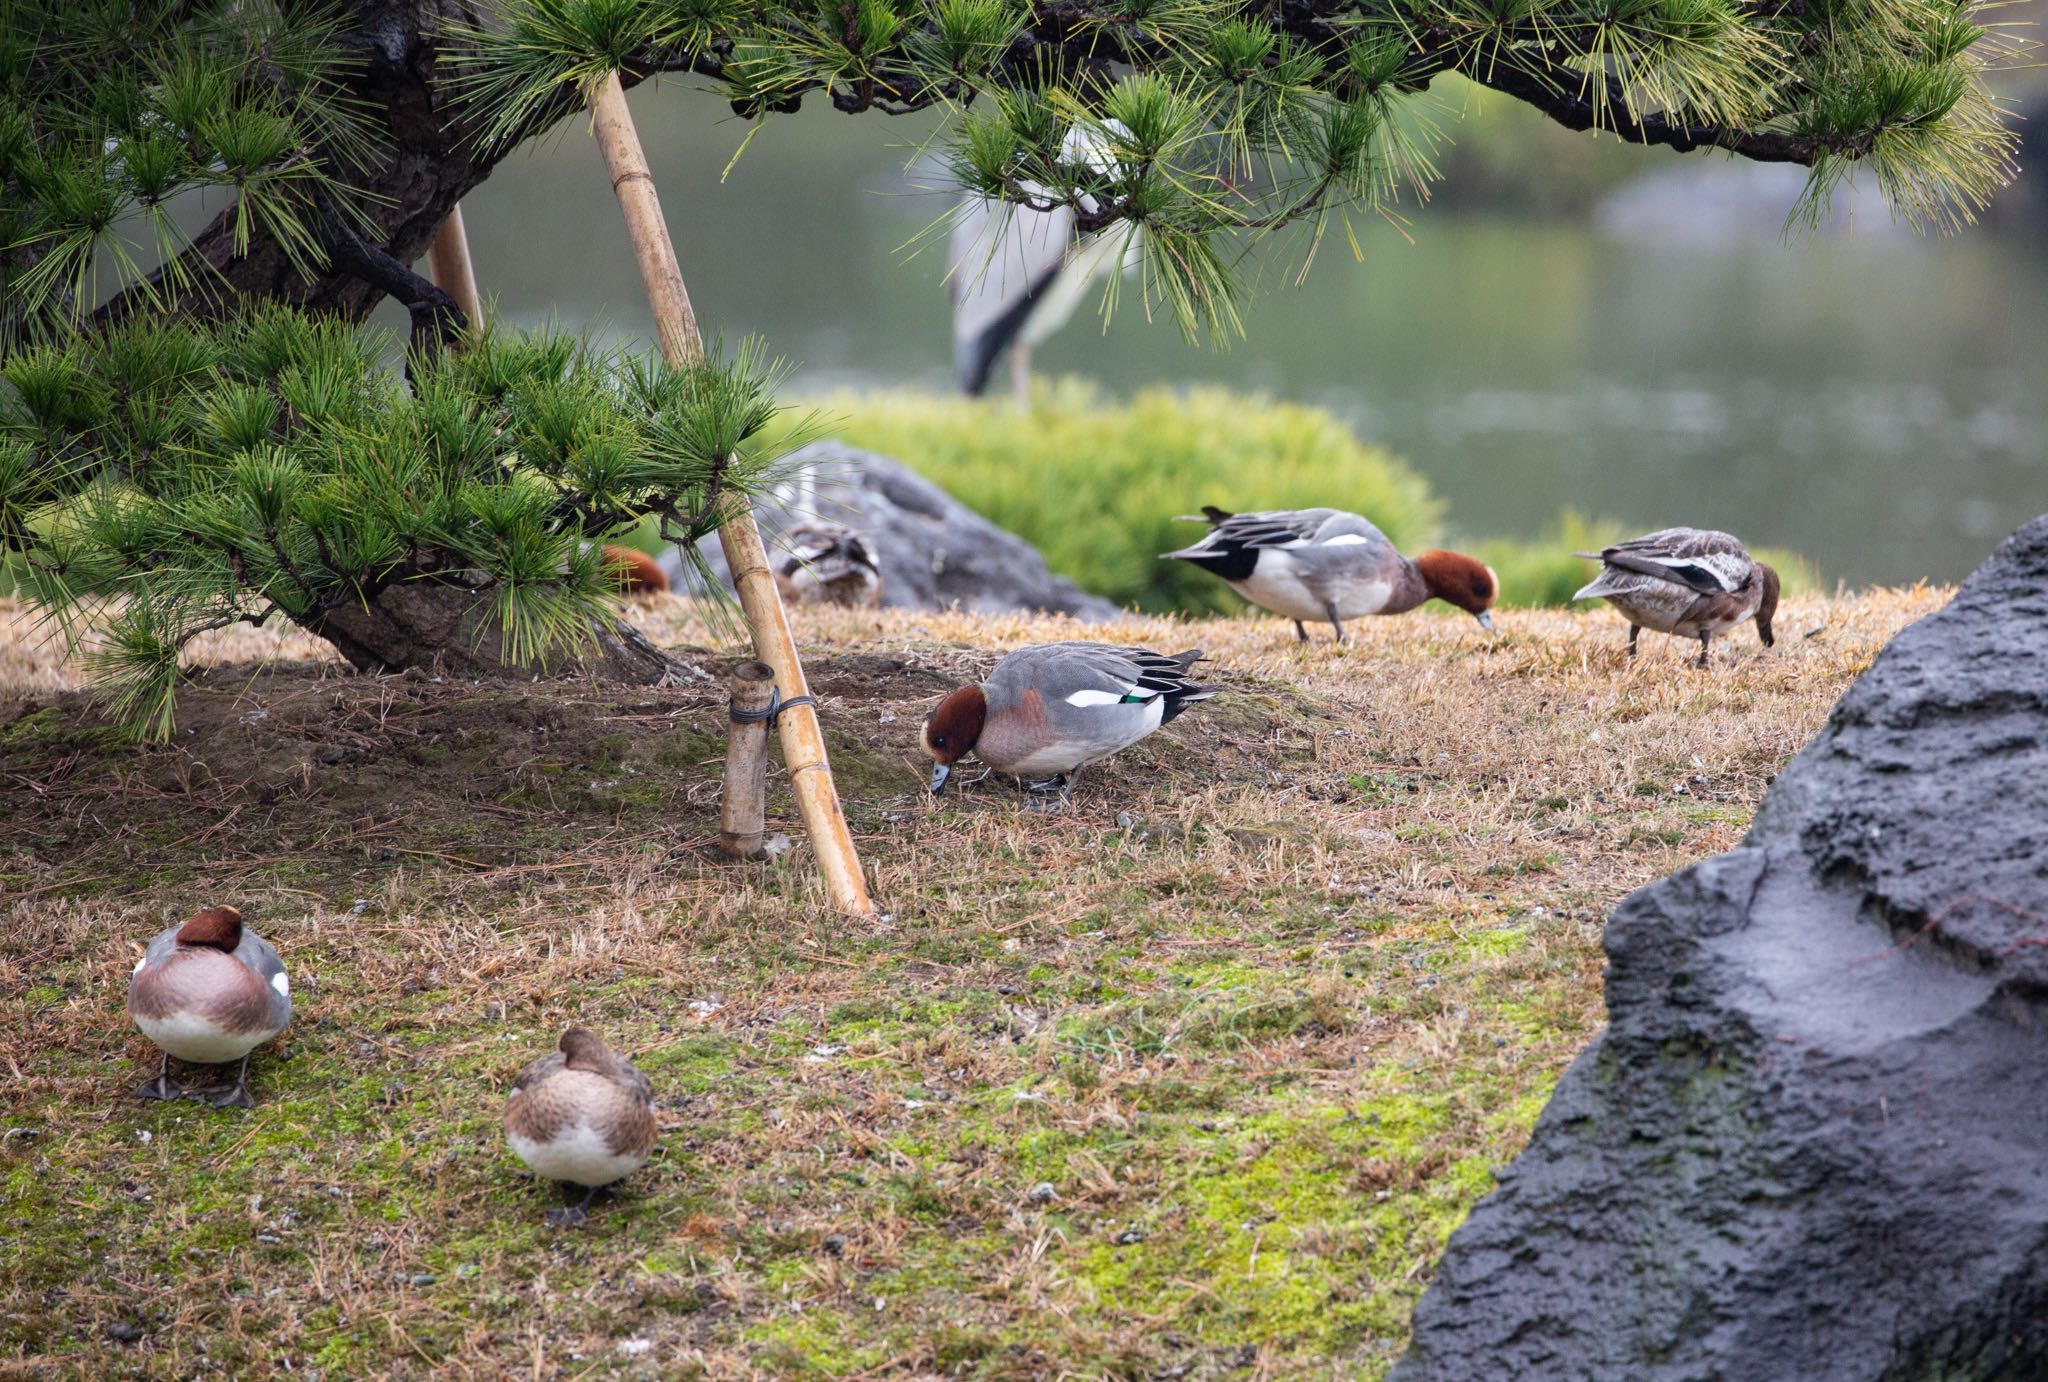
point(1095, 485)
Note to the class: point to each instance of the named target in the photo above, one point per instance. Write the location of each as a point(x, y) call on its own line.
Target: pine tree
point(183, 458)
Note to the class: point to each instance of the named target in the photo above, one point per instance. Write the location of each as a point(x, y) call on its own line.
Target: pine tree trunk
point(447, 629)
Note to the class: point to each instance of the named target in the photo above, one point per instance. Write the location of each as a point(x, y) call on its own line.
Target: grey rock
point(933, 551)
point(1812, 1142)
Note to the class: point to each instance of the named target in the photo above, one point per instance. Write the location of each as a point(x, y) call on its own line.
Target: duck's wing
point(1701, 559)
point(262, 957)
point(1275, 528)
point(1103, 676)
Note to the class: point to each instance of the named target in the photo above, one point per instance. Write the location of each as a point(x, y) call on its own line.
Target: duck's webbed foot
point(238, 1097)
point(1706, 641)
point(572, 1215)
point(1633, 630)
point(1300, 632)
point(1049, 794)
point(163, 1086)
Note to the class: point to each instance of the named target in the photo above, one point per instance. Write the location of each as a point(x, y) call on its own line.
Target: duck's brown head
point(585, 1050)
point(1459, 580)
point(1769, 605)
point(952, 730)
point(217, 928)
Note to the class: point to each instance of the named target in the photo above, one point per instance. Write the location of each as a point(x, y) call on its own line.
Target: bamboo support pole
point(743, 803)
point(803, 742)
point(448, 260)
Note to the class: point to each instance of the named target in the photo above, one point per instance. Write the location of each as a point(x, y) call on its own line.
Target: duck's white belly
point(190, 1037)
point(1276, 583)
point(577, 1154)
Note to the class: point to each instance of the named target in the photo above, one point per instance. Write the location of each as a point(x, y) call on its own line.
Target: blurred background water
point(1573, 324)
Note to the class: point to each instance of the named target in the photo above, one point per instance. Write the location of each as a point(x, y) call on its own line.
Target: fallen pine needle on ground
point(1189, 1081)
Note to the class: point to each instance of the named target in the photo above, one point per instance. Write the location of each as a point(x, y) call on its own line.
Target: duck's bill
point(1485, 618)
point(940, 772)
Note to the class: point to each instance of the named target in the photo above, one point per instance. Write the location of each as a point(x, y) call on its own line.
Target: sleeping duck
point(208, 992)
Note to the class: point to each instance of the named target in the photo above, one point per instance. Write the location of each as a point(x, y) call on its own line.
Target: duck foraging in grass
point(581, 1115)
point(208, 991)
point(1047, 712)
point(1691, 582)
point(1328, 564)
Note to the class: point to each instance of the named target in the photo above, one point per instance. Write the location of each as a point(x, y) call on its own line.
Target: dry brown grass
point(1274, 994)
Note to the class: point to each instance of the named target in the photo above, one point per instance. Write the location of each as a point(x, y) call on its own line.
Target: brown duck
point(1692, 582)
point(581, 1115)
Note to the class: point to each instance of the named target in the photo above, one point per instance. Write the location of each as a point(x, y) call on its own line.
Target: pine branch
point(1546, 88)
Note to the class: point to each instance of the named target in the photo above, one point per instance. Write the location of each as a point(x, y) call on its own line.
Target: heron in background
point(1017, 273)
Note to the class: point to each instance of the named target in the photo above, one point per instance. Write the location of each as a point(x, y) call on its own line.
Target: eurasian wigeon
point(1328, 564)
point(581, 1115)
point(1047, 712)
point(208, 992)
point(828, 564)
point(1692, 582)
point(636, 572)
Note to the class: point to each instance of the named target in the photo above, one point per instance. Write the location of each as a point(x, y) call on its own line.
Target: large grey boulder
point(1813, 1142)
point(933, 551)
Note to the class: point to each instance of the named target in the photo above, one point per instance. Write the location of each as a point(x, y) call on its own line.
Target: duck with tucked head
point(581, 1115)
point(1047, 712)
point(828, 564)
point(1327, 564)
point(208, 992)
point(1692, 582)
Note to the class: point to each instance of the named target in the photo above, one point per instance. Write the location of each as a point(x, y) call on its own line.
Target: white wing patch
point(1345, 540)
point(281, 984)
point(139, 964)
point(1092, 697)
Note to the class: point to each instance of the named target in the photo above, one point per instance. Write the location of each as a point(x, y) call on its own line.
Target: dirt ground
point(1189, 1081)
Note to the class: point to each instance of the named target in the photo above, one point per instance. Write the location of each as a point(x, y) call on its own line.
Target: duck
point(581, 1115)
point(208, 991)
point(828, 564)
point(1322, 564)
point(636, 572)
point(1048, 711)
point(1690, 582)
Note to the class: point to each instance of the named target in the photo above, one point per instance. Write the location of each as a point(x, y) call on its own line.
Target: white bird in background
point(1016, 273)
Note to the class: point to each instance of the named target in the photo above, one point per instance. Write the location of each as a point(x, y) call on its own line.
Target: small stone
point(330, 756)
point(423, 1278)
point(834, 1246)
point(1041, 1193)
point(124, 1332)
point(1130, 1236)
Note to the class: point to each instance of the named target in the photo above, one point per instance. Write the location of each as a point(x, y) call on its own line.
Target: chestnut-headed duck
point(828, 564)
point(1327, 564)
point(1047, 712)
point(635, 571)
point(1692, 582)
point(581, 1115)
point(208, 992)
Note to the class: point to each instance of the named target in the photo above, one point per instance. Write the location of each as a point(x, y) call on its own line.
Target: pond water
point(1875, 401)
